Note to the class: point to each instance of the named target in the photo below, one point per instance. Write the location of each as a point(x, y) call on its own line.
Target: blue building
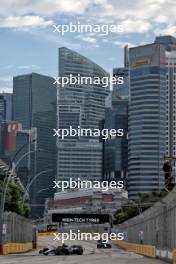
point(116, 117)
point(6, 106)
point(147, 119)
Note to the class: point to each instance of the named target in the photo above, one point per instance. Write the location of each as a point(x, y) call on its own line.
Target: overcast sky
point(28, 43)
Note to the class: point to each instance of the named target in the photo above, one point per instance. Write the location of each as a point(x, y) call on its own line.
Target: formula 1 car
point(62, 250)
point(103, 244)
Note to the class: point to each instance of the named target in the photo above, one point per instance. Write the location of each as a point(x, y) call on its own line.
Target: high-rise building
point(169, 43)
point(80, 105)
point(6, 106)
point(121, 90)
point(126, 56)
point(1, 139)
point(147, 119)
point(8, 131)
point(34, 106)
point(27, 140)
point(116, 117)
point(116, 149)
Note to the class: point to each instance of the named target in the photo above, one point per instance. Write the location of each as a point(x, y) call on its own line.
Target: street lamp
point(11, 176)
point(45, 189)
point(4, 190)
point(33, 179)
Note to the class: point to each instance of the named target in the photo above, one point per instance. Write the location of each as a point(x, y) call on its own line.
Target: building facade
point(152, 114)
point(169, 43)
point(116, 149)
point(116, 117)
point(5, 106)
point(147, 119)
point(84, 201)
point(27, 140)
point(80, 105)
point(121, 90)
point(34, 106)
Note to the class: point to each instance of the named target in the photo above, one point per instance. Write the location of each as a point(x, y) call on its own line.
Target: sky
point(28, 43)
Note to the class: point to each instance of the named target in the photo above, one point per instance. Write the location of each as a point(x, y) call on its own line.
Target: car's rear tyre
point(80, 253)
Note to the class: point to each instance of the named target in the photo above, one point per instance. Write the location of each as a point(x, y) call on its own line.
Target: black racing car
point(76, 249)
point(62, 250)
point(103, 244)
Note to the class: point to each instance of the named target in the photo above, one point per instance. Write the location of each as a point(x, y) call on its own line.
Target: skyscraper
point(147, 119)
point(34, 106)
point(6, 106)
point(116, 117)
point(116, 149)
point(169, 43)
point(121, 90)
point(27, 138)
point(80, 105)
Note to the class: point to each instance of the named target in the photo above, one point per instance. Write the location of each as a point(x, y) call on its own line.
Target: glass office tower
point(116, 117)
point(5, 106)
point(116, 149)
point(147, 119)
point(34, 106)
point(169, 43)
point(121, 90)
point(80, 105)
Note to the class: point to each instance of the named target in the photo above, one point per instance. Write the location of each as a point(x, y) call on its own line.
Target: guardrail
point(45, 234)
point(146, 250)
point(174, 256)
point(16, 248)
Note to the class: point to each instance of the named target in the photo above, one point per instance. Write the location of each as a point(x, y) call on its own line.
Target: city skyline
point(88, 131)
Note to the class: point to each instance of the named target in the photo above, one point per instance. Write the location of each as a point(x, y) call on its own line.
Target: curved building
point(83, 105)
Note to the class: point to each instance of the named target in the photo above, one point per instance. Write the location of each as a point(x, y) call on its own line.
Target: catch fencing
point(18, 234)
point(17, 229)
point(156, 226)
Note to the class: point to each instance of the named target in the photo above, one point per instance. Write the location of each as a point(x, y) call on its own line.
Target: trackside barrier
point(16, 248)
point(45, 234)
point(174, 256)
point(146, 250)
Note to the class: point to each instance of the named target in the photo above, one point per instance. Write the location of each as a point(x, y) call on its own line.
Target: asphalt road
point(91, 255)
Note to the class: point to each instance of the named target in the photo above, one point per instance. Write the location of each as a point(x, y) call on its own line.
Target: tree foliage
point(132, 209)
point(13, 201)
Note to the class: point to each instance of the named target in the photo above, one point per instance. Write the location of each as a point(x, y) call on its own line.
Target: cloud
point(137, 26)
point(28, 67)
point(6, 83)
point(122, 44)
point(6, 79)
point(44, 7)
point(89, 39)
point(54, 38)
point(112, 59)
point(135, 16)
point(24, 22)
point(168, 30)
point(6, 90)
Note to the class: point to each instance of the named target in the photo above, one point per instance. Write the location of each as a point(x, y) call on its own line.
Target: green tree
point(125, 213)
point(132, 209)
point(13, 202)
